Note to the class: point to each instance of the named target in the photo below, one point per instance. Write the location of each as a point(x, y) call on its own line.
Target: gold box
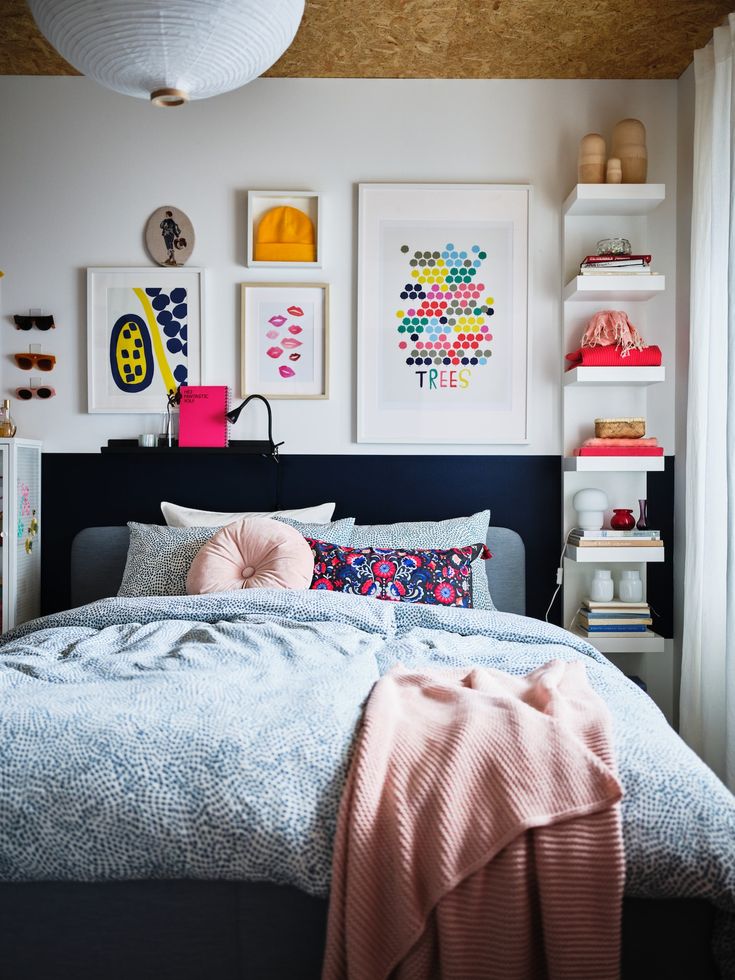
point(620, 428)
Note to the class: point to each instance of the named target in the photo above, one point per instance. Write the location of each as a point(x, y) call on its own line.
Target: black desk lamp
point(267, 448)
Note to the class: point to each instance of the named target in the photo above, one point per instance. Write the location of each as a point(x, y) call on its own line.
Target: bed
point(213, 923)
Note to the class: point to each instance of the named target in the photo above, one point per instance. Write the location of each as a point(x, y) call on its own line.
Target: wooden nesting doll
point(614, 171)
point(591, 161)
point(629, 145)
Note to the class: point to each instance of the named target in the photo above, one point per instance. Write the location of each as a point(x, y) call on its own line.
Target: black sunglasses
point(26, 322)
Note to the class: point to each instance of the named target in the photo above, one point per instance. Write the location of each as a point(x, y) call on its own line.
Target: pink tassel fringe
point(610, 327)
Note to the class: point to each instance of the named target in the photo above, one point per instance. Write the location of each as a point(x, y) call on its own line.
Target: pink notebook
point(202, 415)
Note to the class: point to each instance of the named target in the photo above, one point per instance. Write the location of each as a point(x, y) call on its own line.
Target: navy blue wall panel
point(523, 493)
point(661, 576)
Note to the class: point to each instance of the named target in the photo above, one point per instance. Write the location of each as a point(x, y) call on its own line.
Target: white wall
point(81, 169)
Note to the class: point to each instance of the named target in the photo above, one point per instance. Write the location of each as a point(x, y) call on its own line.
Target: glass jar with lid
point(7, 425)
point(614, 246)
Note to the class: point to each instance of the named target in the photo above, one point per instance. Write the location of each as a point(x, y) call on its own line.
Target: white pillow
point(176, 516)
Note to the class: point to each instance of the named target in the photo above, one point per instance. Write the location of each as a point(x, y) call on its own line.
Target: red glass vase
point(622, 520)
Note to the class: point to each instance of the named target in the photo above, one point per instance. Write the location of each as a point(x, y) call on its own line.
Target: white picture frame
point(443, 361)
point(164, 356)
point(285, 340)
point(259, 202)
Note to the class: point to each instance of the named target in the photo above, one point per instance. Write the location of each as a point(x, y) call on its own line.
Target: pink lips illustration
point(295, 311)
point(295, 328)
point(272, 334)
point(285, 371)
point(277, 320)
point(290, 344)
point(274, 352)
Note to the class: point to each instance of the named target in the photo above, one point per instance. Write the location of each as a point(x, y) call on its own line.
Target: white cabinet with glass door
point(20, 531)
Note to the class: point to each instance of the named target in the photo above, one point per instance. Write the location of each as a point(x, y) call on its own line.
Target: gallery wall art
point(284, 229)
point(143, 336)
point(169, 236)
point(443, 313)
point(285, 340)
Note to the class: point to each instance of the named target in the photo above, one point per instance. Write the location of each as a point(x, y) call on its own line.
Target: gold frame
point(244, 287)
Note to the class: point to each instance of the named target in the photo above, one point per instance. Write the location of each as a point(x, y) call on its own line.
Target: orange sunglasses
point(27, 362)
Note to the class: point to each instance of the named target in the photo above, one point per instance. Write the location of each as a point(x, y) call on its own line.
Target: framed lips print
point(285, 340)
point(443, 313)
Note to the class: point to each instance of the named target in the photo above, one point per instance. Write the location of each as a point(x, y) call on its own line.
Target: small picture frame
point(285, 340)
point(284, 230)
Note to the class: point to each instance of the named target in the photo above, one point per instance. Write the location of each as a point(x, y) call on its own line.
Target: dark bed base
point(199, 930)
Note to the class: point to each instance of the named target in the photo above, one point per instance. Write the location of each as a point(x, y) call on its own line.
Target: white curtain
point(708, 643)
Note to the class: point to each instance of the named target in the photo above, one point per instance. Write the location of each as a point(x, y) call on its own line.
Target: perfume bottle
point(7, 425)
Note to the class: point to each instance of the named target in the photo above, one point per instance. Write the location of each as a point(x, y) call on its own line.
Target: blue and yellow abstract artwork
point(149, 344)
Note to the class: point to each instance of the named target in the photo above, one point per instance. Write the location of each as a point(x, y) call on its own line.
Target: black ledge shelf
point(243, 447)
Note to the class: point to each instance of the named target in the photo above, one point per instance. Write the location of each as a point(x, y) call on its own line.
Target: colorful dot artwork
point(444, 320)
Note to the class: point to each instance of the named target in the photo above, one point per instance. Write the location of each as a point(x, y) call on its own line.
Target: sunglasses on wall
point(25, 394)
point(26, 322)
point(27, 362)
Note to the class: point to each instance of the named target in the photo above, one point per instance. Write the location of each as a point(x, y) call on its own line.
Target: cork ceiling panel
point(453, 39)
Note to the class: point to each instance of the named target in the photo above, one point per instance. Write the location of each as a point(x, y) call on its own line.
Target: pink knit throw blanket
point(479, 833)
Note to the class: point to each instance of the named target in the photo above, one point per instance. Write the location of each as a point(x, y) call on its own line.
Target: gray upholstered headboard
point(98, 560)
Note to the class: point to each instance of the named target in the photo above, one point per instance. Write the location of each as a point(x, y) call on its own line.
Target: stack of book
point(598, 265)
point(605, 538)
point(613, 618)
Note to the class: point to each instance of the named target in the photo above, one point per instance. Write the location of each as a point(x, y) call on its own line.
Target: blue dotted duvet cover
point(209, 737)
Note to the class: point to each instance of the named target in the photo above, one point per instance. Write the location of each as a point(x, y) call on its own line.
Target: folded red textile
point(611, 357)
point(619, 451)
point(607, 443)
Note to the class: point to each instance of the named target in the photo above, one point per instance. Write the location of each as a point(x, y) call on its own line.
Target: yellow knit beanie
point(285, 234)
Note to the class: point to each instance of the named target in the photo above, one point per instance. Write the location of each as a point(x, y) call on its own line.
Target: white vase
point(630, 587)
point(602, 588)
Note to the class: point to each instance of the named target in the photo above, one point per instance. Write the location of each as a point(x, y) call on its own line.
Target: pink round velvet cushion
point(254, 553)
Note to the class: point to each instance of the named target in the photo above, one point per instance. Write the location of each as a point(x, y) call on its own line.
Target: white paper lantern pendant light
point(170, 51)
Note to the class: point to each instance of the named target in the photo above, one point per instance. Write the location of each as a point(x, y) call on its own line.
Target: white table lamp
point(590, 505)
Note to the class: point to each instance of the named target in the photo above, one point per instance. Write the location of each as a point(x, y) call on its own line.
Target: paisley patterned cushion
point(457, 532)
point(436, 577)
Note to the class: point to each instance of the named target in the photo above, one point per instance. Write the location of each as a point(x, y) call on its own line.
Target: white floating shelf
point(648, 642)
point(614, 464)
point(620, 376)
point(616, 288)
point(614, 199)
point(626, 553)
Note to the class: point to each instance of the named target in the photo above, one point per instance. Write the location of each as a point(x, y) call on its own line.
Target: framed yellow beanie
point(285, 234)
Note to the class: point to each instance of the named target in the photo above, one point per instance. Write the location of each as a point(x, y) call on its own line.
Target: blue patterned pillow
point(159, 557)
point(433, 577)
point(457, 532)
point(338, 531)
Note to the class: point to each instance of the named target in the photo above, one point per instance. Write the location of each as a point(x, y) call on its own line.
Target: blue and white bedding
point(209, 737)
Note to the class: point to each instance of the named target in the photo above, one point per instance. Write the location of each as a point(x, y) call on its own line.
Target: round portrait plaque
point(169, 236)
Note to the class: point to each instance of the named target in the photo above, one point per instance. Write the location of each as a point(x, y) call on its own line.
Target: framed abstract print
point(143, 336)
point(285, 340)
point(443, 313)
